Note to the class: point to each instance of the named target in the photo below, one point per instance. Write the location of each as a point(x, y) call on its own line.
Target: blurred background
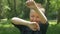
point(17, 8)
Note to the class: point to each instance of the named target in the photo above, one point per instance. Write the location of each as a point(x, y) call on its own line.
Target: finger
point(34, 29)
point(38, 28)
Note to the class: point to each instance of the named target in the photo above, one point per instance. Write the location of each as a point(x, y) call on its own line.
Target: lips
point(35, 21)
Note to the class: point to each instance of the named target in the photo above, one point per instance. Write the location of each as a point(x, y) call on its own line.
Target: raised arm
point(32, 5)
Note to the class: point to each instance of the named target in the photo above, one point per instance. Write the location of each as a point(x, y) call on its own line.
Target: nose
point(34, 19)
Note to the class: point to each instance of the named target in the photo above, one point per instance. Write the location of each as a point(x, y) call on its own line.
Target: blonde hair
point(40, 7)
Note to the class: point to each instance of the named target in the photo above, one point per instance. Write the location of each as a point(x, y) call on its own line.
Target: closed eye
point(32, 16)
point(37, 17)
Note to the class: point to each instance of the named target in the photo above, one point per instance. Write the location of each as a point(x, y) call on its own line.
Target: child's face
point(34, 17)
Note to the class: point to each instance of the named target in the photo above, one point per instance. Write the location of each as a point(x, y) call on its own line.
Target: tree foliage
point(17, 8)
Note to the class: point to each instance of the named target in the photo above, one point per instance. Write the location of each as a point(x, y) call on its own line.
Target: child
point(38, 22)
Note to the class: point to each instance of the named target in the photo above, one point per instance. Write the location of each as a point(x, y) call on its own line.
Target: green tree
point(58, 9)
point(0, 8)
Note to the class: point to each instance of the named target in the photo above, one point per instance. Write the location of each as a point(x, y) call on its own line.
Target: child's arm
point(41, 14)
point(32, 25)
point(32, 5)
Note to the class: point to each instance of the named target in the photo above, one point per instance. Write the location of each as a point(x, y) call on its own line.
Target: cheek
point(38, 19)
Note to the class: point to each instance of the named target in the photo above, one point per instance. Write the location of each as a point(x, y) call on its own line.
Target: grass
point(7, 28)
point(53, 28)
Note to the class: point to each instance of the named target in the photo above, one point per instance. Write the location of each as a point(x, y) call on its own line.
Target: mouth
point(35, 21)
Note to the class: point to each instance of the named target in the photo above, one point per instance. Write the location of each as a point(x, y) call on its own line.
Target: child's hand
point(31, 4)
point(34, 26)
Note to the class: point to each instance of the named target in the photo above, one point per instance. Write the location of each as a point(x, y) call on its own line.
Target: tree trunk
point(47, 7)
point(58, 16)
point(15, 8)
point(0, 9)
point(58, 20)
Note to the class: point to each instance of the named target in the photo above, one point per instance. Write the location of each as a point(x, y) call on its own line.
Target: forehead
point(32, 12)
